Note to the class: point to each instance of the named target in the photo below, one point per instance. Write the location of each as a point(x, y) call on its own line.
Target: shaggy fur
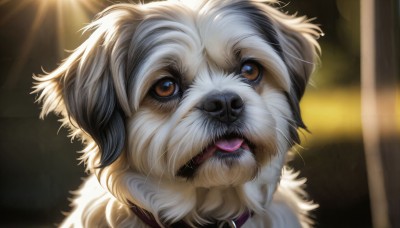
point(143, 149)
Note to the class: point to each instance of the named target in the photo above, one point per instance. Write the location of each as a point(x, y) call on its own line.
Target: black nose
point(225, 107)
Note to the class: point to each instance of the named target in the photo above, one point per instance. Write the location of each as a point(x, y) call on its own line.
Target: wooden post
point(379, 69)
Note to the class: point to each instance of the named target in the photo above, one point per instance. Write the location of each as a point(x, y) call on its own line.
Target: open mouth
point(223, 148)
point(228, 147)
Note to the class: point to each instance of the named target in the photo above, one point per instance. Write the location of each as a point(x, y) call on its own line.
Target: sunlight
point(5, 18)
point(2, 2)
point(29, 41)
point(335, 114)
point(71, 16)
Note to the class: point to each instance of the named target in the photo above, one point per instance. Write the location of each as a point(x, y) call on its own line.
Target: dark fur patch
point(103, 121)
point(262, 23)
point(188, 170)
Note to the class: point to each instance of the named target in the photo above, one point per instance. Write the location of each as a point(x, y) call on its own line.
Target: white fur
point(202, 40)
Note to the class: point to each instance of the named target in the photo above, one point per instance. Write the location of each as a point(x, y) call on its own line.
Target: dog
point(187, 110)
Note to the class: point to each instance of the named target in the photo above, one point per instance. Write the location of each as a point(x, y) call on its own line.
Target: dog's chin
point(227, 161)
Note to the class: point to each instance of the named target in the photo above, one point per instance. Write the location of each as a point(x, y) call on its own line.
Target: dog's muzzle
point(225, 109)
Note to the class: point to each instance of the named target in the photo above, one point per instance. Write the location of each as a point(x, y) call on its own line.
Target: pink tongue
point(229, 145)
point(225, 145)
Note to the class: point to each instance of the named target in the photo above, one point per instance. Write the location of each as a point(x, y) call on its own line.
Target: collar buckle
point(227, 224)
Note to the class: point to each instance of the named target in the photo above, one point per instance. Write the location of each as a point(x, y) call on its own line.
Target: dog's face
point(203, 92)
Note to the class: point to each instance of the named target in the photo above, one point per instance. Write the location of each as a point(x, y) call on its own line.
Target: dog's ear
point(297, 38)
point(294, 40)
point(89, 88)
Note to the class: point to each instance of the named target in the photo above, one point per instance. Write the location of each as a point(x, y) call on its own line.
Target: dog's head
point(200, 91)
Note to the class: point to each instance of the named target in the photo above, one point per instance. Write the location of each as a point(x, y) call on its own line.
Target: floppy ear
point(294, 40)
point(89, 88)
point(300, 52)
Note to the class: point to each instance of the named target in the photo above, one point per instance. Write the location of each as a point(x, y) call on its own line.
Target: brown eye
point(251, 71)
point(166, 88)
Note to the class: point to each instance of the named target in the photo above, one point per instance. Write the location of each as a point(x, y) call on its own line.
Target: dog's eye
point(250, 70)
point(166, 87)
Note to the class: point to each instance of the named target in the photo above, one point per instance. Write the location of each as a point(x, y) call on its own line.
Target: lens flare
point(71, 16)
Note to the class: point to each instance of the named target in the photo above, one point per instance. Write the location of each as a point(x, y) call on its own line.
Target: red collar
point(148, 219)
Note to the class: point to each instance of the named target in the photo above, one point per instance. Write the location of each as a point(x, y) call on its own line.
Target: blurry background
point(38, 163)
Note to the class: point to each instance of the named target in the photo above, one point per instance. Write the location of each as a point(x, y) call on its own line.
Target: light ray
point(60, 29)
point(2, 2)
point(92, 6)
point(67, 26)
point(15, 10)
point(71, 16)
point(27, 46)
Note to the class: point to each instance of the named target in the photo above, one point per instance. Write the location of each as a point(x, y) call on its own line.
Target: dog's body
point(187, 110)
